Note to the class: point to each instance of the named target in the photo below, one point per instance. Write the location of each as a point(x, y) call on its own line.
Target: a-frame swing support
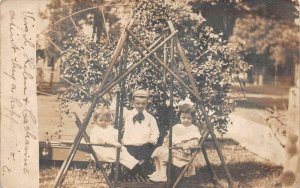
point(124, 72)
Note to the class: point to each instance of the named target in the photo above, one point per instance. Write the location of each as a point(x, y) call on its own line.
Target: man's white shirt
point(137, 133)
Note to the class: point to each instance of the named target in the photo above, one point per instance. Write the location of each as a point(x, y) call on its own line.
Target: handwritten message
point(19, 126)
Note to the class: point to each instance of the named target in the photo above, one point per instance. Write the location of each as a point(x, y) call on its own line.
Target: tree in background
point(56, 35)
point(214, 63)
point(264, 32)
point(264, 41)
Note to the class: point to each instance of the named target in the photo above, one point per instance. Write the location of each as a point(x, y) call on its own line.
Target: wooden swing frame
point(168, 68)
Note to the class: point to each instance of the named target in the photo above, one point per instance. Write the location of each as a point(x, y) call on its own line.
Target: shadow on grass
point(243, 172)
point(209, 144)
point(267, 89)
point(246, 172)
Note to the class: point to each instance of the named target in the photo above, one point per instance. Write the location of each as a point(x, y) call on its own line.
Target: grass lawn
point(248, 169)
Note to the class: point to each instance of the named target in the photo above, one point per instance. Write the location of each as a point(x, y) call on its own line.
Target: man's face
point(140, 103)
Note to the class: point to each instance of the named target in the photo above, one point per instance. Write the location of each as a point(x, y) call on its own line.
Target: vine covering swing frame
point(105, 87)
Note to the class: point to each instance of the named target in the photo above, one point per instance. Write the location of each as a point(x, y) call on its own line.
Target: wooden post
point(221, 157)
point(170, 122)
point(184, 60)
point(120, 77)
point(166, 67)
point(201, 141)
point(207, 121)
point(154, 65)
point(64, 168)
point(123, 67)
point(164, 70)
point(105, 26)
point(169, 174)
point(209, 167)
point(87, 140)
point(291, 176)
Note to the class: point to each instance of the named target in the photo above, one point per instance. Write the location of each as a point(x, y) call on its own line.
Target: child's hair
point(104, 113)
point(187, 109)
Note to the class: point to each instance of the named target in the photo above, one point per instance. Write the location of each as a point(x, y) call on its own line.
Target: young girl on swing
point(104, 133)
point(185, 136)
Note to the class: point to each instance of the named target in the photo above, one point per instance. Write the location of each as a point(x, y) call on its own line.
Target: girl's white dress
point(109, 135)
point(182, 137)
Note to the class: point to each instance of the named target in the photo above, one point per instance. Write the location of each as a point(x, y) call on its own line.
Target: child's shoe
point(155, 173)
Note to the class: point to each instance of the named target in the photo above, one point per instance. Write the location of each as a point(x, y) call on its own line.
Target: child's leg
point(160, 167)
point(163, 169)
point(156, 163)
point(160, 175)
point(126, 159)
point(157, 167)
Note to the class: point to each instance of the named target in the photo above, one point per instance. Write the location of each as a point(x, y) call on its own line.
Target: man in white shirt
point(140, 128)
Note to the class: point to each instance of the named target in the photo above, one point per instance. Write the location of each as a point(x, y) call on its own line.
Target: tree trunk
point(296, 74)
point(275, 74)
point(261, 73)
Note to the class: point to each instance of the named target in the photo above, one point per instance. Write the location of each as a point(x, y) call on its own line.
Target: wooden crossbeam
point(105, 87)
point(87, 140)
point(152, 63)
point(166, 67)
point(209, 126)
point(196, 95)
point(209, 167)
point(132, 68)
point(60, 176)
point(201, 141)
point(73, 22)
point(120, 105)
point(155, 42)
point(106, 29)
point(184, 60)
point(164, 71)
point(221, 157)
point(102, 90)
point(208, 131)
point(58, 97)
point(170, 126)
point(67, 144)
point(82, 90)
point(58, 48)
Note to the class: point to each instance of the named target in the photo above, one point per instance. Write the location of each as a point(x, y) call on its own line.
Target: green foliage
point(276, 39)
point(213, 63)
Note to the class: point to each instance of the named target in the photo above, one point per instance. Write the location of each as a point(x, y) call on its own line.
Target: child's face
point(186, 119)
point(140, 103)
point(102, 121)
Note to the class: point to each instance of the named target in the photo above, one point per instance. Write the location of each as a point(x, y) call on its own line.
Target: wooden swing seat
point(58, 152)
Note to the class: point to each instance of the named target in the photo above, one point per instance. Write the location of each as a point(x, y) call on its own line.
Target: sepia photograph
point(150, 93)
